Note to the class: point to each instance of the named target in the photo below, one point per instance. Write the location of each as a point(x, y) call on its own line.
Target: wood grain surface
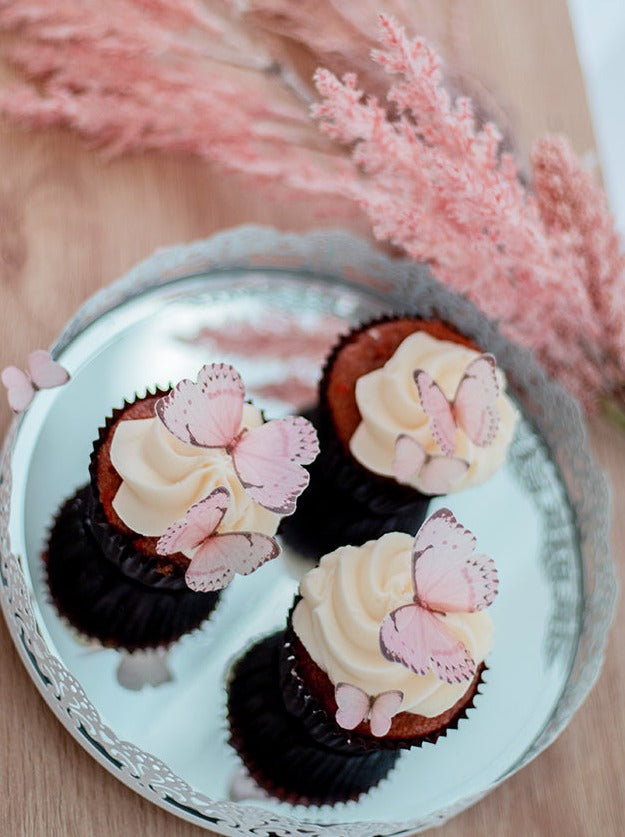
point(69, 224)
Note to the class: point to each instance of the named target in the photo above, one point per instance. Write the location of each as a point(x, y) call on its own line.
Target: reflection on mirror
point(277, 330)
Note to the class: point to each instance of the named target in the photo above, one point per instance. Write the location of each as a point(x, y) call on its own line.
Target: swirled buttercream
point(389, 404)
point(163, 477)
point(338, 618)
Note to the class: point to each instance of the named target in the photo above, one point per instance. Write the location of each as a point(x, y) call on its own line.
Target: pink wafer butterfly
point(356, 706)
point(448, 577)
point(472, 409)
point(217, 556)
point(435, 474)
point(268, 459)
point(41, 373)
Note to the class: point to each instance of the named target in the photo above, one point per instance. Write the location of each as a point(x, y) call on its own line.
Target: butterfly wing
point(269, 458)
point(448, 574)
point(384, 708)
point(46, 373)
point(20, 391)
point(433, 474)
point(220, 556)
point(199, 523)
point(208, 413)
point(419, 640)
point(438, 410)
point(474, 405)
point(410, 457)
point(440, 474)
point(353, 705)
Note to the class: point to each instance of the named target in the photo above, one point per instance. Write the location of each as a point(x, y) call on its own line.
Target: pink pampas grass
point(214, 79)
point(169, 75)
point(546, 266)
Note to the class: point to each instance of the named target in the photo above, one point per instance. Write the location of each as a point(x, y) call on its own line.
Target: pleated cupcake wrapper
point(326, 518)
point(116, 546)
point(277, 749)
point(120, 551)
point(323, 727)
point(100, 602)
point(377, 495)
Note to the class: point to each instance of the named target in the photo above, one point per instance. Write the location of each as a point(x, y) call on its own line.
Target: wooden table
point(70, 223)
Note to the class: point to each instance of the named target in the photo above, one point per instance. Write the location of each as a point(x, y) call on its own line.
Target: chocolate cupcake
point(171, 509)
point(133, 553)
point(99, 601)
point(391, 436)
point(276, 746)
point(383, 650)
point(144, 479)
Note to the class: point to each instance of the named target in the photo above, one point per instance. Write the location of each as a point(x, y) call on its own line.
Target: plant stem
point(613, 410)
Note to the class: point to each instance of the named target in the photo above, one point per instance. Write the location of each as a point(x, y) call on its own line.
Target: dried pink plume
point(181, 76)
point(570, 201)
point(546, 266)
point(214, 78)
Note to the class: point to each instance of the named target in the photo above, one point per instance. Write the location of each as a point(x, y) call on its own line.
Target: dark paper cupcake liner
point(99, 601)
point(328, 516)
point(376, 494)
point(120, 551)
point(118, 547)
point(277, 749)
point(322, 726)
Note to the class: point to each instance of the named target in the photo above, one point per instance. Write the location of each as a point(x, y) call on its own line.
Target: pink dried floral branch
point(570, 201)
point(549, 271)
point(213, 78)
point(170, 75)
point(188, 76)
point(339, 34)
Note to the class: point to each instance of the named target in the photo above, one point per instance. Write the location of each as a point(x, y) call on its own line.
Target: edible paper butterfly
point(473, 408)
point(42, 373)
point(435, 474)
point(217, 557)
point(267, 459)
point(355, 706)
point(447, 577)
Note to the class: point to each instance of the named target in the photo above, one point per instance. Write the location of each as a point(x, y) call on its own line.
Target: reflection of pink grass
point(275, 340)
point(293, 391)
point(300, 350)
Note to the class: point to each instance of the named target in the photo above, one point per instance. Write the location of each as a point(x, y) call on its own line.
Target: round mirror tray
point(272, 305)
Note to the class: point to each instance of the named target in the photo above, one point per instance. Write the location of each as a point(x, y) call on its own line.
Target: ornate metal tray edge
point(321, 253)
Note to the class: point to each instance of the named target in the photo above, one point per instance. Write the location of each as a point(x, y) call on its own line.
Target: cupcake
point(188, 487)
point(102, 603)
point(384, 649)
point(408, 409)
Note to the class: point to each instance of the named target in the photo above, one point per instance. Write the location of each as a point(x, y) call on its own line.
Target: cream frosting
point(389, 404)
point(344, 601)
point(163, 477)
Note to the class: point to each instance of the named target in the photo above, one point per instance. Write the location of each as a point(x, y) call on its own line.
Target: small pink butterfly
point(436, 474)
point(473, 408)
point(218, 556)
point(447, 577)
point(355, 706)
point(42, 373)
point(268, 459)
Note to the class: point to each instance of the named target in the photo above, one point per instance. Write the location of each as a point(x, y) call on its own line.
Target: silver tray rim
point(343, 256)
